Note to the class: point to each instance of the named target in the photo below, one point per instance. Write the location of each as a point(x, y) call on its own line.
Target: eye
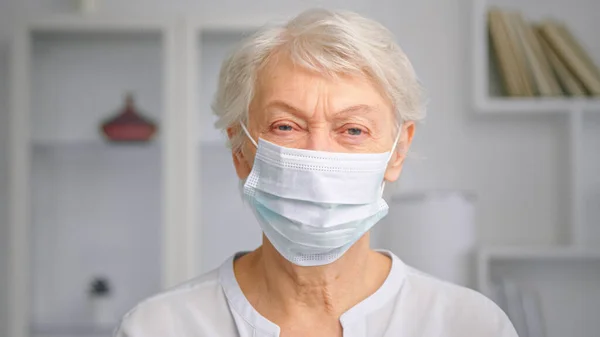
point(354, 131)
point(284, 127)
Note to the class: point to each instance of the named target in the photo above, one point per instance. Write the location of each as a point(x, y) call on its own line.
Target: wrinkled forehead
point(283, 82)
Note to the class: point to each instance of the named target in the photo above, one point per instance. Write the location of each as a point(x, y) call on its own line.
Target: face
point(296, 108)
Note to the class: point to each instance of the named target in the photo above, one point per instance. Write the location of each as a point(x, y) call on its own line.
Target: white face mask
point(314, 205)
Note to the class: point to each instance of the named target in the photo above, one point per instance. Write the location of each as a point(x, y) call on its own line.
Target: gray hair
point(327, 42)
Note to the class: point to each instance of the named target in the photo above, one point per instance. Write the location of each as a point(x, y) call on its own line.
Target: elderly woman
point(320, 114)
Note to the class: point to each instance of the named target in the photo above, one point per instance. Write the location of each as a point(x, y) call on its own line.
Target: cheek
point(249, 152)
point(381, 142)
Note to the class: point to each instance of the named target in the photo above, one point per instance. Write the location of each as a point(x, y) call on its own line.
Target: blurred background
point(114, 183)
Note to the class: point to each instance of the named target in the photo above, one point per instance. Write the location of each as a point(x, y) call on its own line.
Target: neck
point(277, 288)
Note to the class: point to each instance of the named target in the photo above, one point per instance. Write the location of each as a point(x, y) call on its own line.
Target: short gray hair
point(329, 43)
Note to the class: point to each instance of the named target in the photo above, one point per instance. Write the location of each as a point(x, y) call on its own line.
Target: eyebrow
point(286, 107)
point(354, 109)
point(360, 108)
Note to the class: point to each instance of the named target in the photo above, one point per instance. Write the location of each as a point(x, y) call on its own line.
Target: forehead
point(282, 80)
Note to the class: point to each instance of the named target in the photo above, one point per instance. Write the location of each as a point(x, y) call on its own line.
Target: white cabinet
point(95, 212)
point(566, 276)
point(80, 206)
point(565, 283)
point(145, 216)
point(91, 200)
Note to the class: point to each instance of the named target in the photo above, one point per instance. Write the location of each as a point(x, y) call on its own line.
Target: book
point(540, 84)
point(568, 81)
point(545, 80)
point(522, 69)
point(550, 76)
point(578, 48)
point(502, 52)
point(570, 57)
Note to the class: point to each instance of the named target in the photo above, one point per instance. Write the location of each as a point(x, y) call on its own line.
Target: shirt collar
point(238, 302)
point(386, 293)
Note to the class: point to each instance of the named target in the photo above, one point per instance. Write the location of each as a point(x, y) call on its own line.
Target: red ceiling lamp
point(129, 125)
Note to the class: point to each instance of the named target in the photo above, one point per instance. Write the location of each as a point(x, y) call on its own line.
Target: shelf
point(486, 79)
point(96, 23)
point(92, 145)
point(566, 284)
point(536, 106)
point(233, 25)
point(565, 279)
point(518, 253)
point(89, 202)
point(79, 79)
point(72, 330)
point(80, 201)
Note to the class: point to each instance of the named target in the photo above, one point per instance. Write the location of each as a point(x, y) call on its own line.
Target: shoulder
point(158, 315)
point(459, 310)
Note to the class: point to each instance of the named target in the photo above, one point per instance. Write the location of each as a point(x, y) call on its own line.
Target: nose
point(319, 139)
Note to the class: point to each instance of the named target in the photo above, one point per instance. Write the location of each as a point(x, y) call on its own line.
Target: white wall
point(5, 28)
point(3, 187)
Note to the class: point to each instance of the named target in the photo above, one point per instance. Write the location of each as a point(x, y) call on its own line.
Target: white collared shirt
point(408, 304)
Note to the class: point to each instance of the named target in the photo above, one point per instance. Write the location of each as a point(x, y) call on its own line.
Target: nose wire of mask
point(398, 126)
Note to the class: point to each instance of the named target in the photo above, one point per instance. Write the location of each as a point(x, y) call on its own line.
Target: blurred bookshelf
point(545, 291)
point(582, 111)
point(529, 59)
point(532, 59)
point(79, 200)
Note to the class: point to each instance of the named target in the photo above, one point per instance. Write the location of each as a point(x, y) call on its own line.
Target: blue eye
point(284, 127)
point(355, 131)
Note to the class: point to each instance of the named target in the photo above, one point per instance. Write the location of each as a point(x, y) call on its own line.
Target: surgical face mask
point(314, 205)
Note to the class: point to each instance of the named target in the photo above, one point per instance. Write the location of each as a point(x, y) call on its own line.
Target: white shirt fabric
point(408, 304)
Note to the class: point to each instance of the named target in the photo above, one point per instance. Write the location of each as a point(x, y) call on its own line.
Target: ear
point(241, 163)
point(396, 163)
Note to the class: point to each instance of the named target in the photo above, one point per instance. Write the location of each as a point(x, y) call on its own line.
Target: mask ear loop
point(399, 126)
point(252, 139)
